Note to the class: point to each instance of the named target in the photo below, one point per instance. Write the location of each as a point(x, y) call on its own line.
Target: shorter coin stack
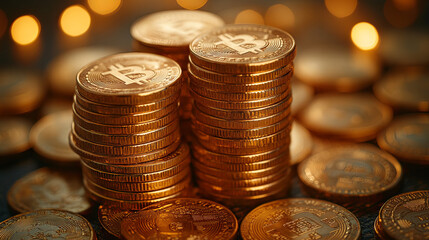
point(126, 130)
point(240, 80)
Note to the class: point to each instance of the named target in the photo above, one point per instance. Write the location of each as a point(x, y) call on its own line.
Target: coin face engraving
point(130, 74)
point(242, 43)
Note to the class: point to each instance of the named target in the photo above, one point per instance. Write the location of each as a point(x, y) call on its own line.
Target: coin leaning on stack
point(126, 130)
point(240, 81)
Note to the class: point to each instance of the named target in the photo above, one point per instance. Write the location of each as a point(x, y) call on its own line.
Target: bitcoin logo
point(183, 29)
point(130, 74)
point(242, 43)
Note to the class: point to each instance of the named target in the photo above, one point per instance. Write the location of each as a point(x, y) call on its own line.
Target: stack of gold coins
point(126, 130)
point(240, 80)
point(169, 33)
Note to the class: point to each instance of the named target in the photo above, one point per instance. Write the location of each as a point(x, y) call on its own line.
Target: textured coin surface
point(405, 90)
point(300, 218)
point(407, 137)
point(301, 143)
point(243, 49)
point(14, 135)
point(353, 172)
point(50, 224)
point(110, 217)
point(173, 29)
point(48, 188)
point(50, 137)
point(405, 216)
point(129, 78)
point(183, 218)
point(357, 117)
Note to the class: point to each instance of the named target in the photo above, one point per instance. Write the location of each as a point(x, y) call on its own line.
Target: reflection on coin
point(336, 69)
point(357, 117)
point(351, 173)
point(301, 143)
point(183, 218)
point(110, 217)
point(61, 72)
point(300, 217)
point(407, 137)
point(301, 95)
point(47, 224)
point(48, 188)
point(405, 216)
point(14, 135)
point(50, 137)
point(20, 91)
point(405, 89)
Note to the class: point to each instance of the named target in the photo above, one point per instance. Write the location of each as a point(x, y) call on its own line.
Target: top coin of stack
point(240, 80)
point(169, 33)
point(126, 130)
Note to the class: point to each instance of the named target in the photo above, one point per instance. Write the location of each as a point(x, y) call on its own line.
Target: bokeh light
point(401, 13)
point(364, 36)
point(249, 16)
point(191, 4)
point(25, 29)
point(75, 20)
point(341, 8)
point(3, 23)
point(280, 16)
point(104, 7)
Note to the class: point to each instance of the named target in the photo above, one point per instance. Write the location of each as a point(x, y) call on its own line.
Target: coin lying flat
point(50, 137)
point(405, 89)
point(48, 188)
point(405, 216)
point(302, 218)
point(407, 137)
point(183, 218)
point(47, 224)
point(110, 217)
point(14, 135)
point(351, 173)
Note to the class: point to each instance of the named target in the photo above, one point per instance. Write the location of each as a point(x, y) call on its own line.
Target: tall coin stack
point(126, 130)
point(169, 33)
point(240, 80)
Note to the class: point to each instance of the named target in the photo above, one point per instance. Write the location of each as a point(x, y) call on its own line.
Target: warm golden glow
point(249, 16)
point(75, 20)
point(405, 5)
point(341, 8)
point(401, 13)
point(104, 7)
point(191, 4)
point(25, 29)
point(364, 36)
point(280, 16)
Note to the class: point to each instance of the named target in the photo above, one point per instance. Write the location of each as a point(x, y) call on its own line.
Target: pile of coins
point(240, 81)
point(126, 130)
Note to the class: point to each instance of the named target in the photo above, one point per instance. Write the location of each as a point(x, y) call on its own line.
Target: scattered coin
point(110, 217)
point(301, 143)
point(14, 135)
point(301, 95)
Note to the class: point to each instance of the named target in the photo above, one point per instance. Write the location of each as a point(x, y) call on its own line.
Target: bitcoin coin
point(110, 217)
point(47, 224)
point(14, 135)
point(300, 217)
point(181, 218)
point(301, 143)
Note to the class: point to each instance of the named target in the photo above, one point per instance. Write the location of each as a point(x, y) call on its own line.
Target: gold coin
point(20, 91)
point(173, 30)
point(352, 173)
point(48, 188)
point(138, 138)
point(129, 79)
point(125, 129)
point(301, 143)
point(14, 135)
point(47, 224)
point(407, 137)
point(335, 68)
point(182, 218)
point(245, 114)
point(50, 138)
point(239, 78)
point(110, 217)
point(303, 217)
point(357, 117)
point(301, 95)
point(61, 71)
point(243, 49)
point(405, 89)
point(405, 216)
point(121, 119)
point(124, 109)
point(240, 124)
